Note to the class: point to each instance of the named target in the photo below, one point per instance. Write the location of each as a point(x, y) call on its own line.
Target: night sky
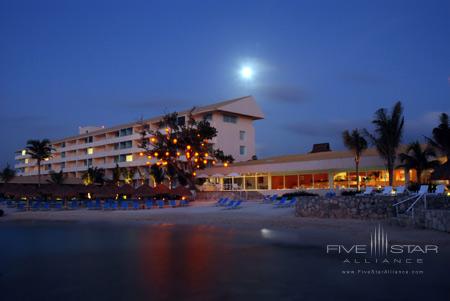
point(320, 66)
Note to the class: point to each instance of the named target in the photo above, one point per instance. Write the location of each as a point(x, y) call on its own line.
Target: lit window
point(242, 150)
point(242, 135)
point(27, 161)
point(229, 118)
point(129, 158)
point(24, 152)
point(90, 151)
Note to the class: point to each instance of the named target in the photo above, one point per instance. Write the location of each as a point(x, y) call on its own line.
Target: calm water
point(66, 261)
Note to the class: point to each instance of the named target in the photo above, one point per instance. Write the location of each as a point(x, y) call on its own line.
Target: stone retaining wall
point(358, 207)
point(432, 219)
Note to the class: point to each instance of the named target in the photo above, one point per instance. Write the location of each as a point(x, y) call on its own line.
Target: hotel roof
point(244, 106)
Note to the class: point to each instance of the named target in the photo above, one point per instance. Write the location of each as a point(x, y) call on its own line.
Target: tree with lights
point(182, 148)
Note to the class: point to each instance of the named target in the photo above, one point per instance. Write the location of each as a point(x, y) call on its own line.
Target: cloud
point(284, 93)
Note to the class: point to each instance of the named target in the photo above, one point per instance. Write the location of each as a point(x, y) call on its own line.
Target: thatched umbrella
point(161, 189)
point(106, 191)
point(181, 191)
point(19, 190)
point(62, 191)
point(442, 172)
point(126, 189)
point(144, 191)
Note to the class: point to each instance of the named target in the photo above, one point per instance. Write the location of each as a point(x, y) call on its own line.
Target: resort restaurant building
point(321, 170)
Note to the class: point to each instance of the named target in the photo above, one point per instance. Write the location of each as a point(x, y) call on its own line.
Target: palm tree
point(7, 174)
point(418, 158)
point(388, 135)
point(157, 173)
point(441, 137)
point(39, 150)
point(116, 173)
point(355, 142)
point(93, 175)
point(57, 178)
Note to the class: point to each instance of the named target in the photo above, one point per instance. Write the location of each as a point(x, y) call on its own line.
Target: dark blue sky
point(321, 66)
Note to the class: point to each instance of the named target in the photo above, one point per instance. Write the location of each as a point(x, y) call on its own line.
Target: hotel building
point(105, 147)
point(321, 169)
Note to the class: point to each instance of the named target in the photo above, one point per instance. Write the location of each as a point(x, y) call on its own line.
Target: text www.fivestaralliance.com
point(381, 272)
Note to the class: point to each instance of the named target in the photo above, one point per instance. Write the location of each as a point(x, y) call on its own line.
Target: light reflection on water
point(74, 261)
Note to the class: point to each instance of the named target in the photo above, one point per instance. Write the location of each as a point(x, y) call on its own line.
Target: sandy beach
point(252, 216)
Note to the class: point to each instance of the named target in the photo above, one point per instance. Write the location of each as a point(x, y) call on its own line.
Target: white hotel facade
point(233, 119)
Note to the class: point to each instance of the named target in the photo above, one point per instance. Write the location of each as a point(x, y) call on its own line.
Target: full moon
point(246, 72)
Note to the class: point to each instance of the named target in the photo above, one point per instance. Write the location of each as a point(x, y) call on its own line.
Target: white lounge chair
point(387, 191)
point(368, 191)
point(423, 189)
point(440, 190)
point(400, 190)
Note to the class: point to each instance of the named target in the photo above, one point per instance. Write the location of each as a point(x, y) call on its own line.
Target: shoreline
point(251, 217)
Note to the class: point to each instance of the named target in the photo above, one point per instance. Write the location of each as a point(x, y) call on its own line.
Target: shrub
point(298, 193)
point(413, 187)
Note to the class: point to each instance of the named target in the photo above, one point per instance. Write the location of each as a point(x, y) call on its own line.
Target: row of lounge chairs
point(38, 205)
point(389, 191)
point(284, 202)
point(229, 204)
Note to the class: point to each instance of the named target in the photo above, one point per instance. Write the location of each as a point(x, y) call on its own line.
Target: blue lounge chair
point(10, 204)
point(135, 205)
point(45, 206)
point(58, 206)
point(90, 205)
point(291, 203)
point(148, 204)
point(115, 205)
point(124, 205)
point(160, 203)
point(184, 203)
point(73, 205)
point(221, 201)
point(226, 202)
point(173, 203)
point(35, 205)
point(235, 205)
point(21, 206)
point(230, 204)
point(107, 205)
point(280, 203)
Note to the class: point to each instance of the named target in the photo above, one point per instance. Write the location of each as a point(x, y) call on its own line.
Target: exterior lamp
point(156, 154)
point(188, 147)
point(225, 164)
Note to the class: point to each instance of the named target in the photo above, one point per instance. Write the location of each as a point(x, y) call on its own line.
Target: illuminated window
point(129, 158)
point(27, 161)
point(90, 151)
point(24, 152)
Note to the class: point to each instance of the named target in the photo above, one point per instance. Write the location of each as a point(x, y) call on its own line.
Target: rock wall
point(358, 207)
point(432, 219)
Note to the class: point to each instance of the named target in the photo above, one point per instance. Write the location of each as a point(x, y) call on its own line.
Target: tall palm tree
point(7, 174)
point(418, 158)
point(441, 137)
point(388, 135)
point(57, 178)
point(355, 142)
point(93, 175)
point(157, 173)
point(39, 150)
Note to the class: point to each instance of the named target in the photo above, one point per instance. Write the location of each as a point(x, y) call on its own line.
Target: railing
point(417, 197)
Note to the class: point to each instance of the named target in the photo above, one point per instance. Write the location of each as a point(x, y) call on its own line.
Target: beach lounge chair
point(107, 205)
point(236, 205)
point(400, 190)
point(440, 190)
point(124, 205)
point(10, 204)
point(423, 190)
point(89, 205)
point(58, 206)
point(21, 206)
point(45, 206)
point(230, 204)
point(368, 191)
point(280, 203)
point(291, 203)
point(160, 203)
point(97, 205)
point(148, 204)
point(73, 205)
point(114, 205)
point(221, 201)
point(135, 205)
point(172, 203)
point(387, 191)
point(35, 205)
point(184, 203)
